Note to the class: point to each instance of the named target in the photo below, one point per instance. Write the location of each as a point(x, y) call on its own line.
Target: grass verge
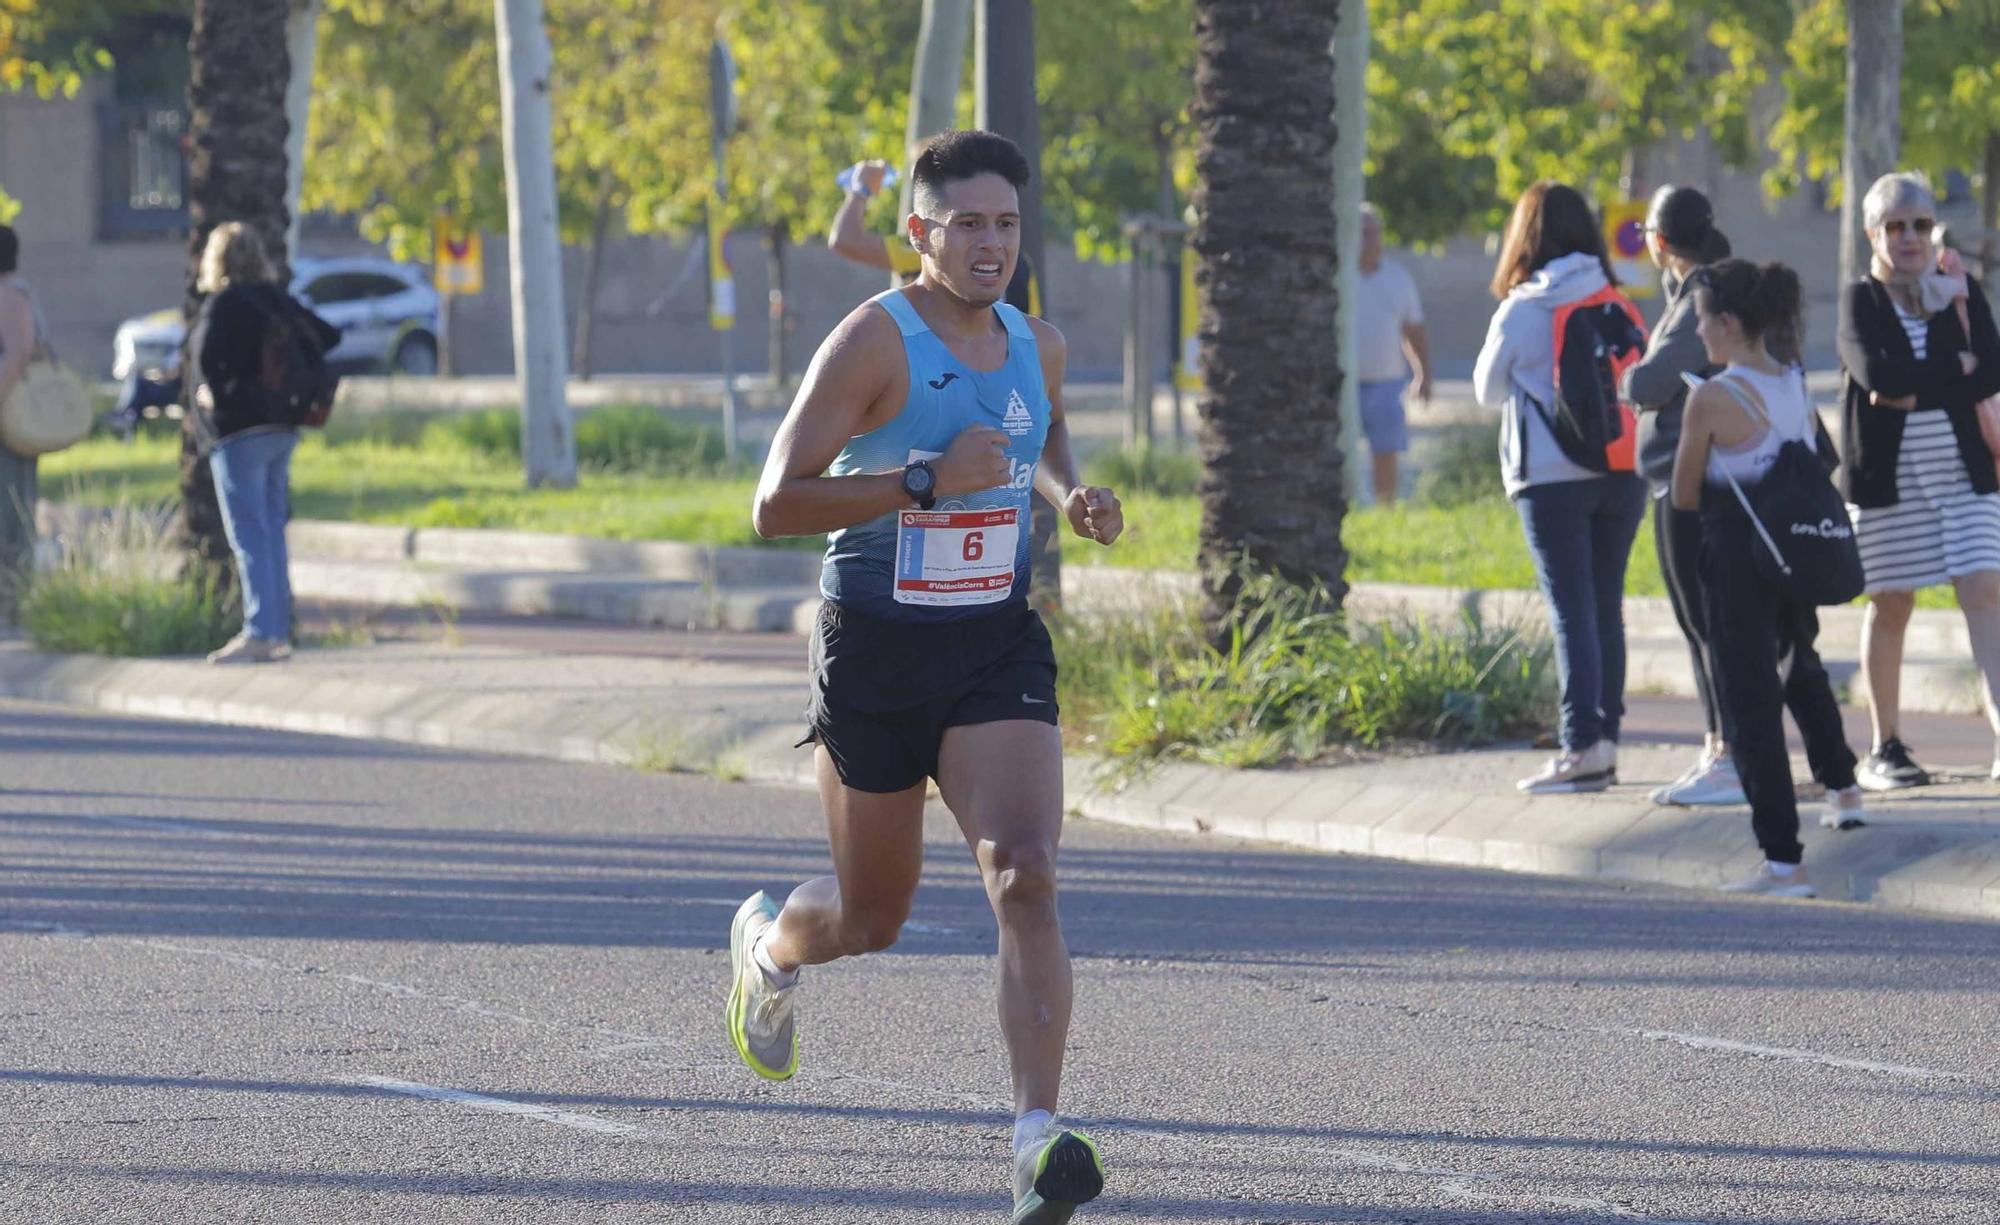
point(1295, 683)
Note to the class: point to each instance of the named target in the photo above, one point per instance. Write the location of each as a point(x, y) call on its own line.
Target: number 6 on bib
point(956, 558)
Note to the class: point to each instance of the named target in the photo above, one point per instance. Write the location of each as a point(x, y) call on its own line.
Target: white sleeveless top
point(1786, 414)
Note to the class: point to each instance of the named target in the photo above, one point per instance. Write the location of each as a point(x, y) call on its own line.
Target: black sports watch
point(921, 484)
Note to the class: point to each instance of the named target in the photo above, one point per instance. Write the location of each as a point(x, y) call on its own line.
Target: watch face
point(918, 480)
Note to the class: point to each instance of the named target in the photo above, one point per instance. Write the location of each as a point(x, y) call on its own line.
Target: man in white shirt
point(1389, 326)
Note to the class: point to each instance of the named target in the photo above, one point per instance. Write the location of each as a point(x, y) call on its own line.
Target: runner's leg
point(878, 853)
point(1003, 781)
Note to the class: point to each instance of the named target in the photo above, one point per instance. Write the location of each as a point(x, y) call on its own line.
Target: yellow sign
point(1625, 243)
point(1187, 363)
point(721, 281)
point(458, 266)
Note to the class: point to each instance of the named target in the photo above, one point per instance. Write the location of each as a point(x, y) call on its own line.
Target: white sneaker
point(1659, 794)
point(243, 649)
point(1591, 769)
point(1719, 785)
point(1767, 883)
point(1844, 809)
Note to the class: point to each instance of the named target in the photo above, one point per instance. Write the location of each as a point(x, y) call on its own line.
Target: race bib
point(949, 558)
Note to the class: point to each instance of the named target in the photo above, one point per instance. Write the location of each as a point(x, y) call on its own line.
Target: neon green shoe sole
point(1068, 1172)
point(773, 1056)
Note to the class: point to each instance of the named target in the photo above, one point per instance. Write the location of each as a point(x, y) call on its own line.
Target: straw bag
point(49, 408)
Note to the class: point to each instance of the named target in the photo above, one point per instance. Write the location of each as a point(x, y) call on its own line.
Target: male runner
point(925, 419)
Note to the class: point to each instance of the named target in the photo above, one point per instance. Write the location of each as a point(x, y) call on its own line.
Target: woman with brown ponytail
point(1735, 426)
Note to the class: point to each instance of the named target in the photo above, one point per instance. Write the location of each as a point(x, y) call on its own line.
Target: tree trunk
point(534, 245)
point(238, 69)
point(1873, 137)
point(935, 76)
point(1004, 102)
point(1271, 494)
point(593, 267)
point(1350, 153)
point(775, 240)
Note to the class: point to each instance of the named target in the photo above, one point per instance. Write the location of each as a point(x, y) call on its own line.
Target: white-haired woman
point(249, 455)
point(1918, 475)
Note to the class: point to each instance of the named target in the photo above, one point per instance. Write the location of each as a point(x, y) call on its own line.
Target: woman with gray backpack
point(1775, 544)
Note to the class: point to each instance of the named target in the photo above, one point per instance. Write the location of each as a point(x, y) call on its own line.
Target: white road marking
point(479, 1101)
point(1705, 1043)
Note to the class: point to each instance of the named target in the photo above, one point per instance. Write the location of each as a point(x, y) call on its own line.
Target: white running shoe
point(1591, 769)
point(1659, 794)
point(1718, 785)
point(1844, 810)
point(1767, 883)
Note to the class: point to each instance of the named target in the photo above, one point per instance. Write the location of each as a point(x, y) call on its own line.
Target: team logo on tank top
point(1018, 420)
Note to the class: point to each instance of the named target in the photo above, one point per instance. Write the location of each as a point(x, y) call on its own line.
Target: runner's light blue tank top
point(867, 566)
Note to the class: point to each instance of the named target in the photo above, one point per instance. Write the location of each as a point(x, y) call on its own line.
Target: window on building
point(143, 125)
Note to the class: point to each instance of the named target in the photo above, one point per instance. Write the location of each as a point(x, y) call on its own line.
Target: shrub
point(1295, 681)
point(1145, 470)
point(115, 592)
point(1465, 468)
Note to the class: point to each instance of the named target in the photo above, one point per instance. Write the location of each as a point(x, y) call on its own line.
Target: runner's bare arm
point(1094, 513)
point(857, 382)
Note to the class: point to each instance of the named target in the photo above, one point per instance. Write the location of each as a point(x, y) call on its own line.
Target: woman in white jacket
point(1579, 522)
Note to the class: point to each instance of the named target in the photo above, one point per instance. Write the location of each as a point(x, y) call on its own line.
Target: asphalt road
point(248, 976)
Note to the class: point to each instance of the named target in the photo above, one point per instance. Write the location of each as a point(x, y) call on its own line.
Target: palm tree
point(1264, 234)
point(239, 66)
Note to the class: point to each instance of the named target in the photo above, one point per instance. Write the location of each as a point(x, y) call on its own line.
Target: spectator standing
point(249, 455)
point(22, 335)
point(1919, 478)
point(1681, 237)
point(1579, 522)
point(1389, 328)
point(1735, 426)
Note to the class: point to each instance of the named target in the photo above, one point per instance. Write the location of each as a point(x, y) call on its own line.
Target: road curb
point(1942, 856)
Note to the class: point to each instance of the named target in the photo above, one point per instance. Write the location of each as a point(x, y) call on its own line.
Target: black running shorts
point(883, 692)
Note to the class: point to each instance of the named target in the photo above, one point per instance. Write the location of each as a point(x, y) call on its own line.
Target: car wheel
point(417, 354)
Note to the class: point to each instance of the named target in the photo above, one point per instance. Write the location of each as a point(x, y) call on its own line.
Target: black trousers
point(1765, 661)
point(1677, 540)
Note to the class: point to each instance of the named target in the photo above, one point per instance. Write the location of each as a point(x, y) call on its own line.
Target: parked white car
point(388, 315)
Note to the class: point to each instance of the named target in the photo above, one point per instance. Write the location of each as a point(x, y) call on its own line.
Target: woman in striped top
point(1919, 478)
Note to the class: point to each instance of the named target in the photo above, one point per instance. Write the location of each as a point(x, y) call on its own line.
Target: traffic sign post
point(1625, 243)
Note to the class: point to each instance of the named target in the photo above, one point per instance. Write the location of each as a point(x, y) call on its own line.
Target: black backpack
point(294, 387)
point(1596, 340)
point(1809, 548)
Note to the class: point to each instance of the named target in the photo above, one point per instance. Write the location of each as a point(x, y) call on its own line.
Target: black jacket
point(1653, 384)
point(1875, 356)
point(230, 341)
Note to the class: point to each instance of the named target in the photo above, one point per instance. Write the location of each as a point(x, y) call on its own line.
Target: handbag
point(1819, 562)
point(1987, 410)
point(49, 408)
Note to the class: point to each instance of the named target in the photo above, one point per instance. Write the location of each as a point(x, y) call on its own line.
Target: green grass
point(1295, 683)
point(445, 483)
point(650, 478)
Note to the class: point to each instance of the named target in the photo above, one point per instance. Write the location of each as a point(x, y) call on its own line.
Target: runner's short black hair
point(10, 249)
point(952, 155)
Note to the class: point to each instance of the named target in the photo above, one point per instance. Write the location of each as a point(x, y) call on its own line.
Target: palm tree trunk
point(239, 68)
point(1272, 494)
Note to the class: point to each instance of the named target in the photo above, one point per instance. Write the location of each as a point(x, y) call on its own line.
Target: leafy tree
point(1115, 82)
point(1950, 96)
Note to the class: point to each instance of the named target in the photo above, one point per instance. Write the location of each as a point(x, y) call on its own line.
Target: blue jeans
point(1580, 535)
point(253, 475)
